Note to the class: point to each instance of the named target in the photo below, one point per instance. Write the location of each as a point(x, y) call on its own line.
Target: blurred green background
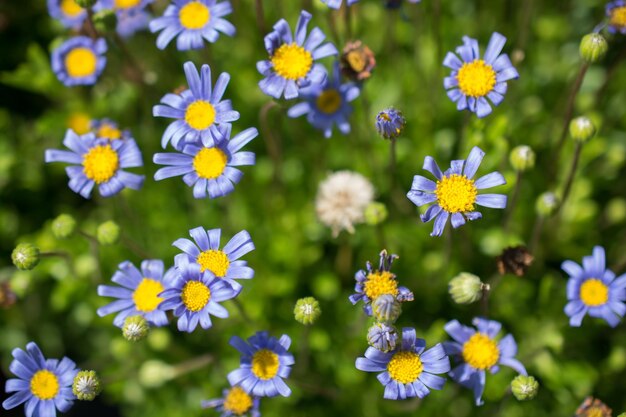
point(295, 255)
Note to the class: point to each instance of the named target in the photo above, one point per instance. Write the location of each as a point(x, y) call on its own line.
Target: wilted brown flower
point(357, 61)
point(7, 296)
point(592, 407)
point(514, 260)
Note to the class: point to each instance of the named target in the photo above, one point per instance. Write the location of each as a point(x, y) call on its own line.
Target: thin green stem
point(272, 141)
point(260, 17)
point(513, 201)
point(347, 14)
point(392, 164)
point(572, 173)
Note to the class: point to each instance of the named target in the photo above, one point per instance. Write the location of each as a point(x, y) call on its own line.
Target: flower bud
point(386, 308)
point(514, 260)
point(524, 388)
point(85, 4)
point(593, 47)
point(63, 226)
point(108, 233)
point(25, 256)
point(546, 204)
point(390, 123)
point(135, 328)
point(375, 213)
point(307, 310)
point(154, 373)
point(582, 129)
point(382, 337)
point(466, 288)
point(105, 21)
point(522, 158)
point(86, 385)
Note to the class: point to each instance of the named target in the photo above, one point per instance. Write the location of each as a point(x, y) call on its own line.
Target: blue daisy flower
point(210, 170)
point(593, 289)
point(409, 370)
point(291, 64)
point(68, 12)
point(138, 292)
point(456, 192)
point(326, 104)
point(98, 161)
point(264, 363)
point(390, 123)
point(131, 15)
point(235, 402)
point(194, 296)
point(199, 110)
point(108, 129)
point(193, 21)
point(478, 352)
point(223, 263)
point(616, 12)
point(45, 385)
point(79, 60)
point(372, 283)
point(474, 80)
point(336, 4)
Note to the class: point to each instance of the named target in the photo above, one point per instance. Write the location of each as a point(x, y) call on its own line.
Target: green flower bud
point(582, 129)
point(63, 226)
point(522, 158)
point(105, 21)
point(25, 256)
point(546, 204)
point(466, 288)
point(375, 213)
point(593, 47)
point(86, 385)
point(154, 373)
point(386, 309)
point(307, 310)
point(85, 4)
point(108, 233)
point(135, 328)
point(524, 388)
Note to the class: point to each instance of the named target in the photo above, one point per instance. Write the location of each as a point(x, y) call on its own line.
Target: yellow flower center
point(291, 61)
point(194, 15)
point(595, 412)
point(379, 283)
point(146, 295)
point(200, 115)
point(209, 163)
point(195, 295)
point(100, 163)
point(70, 8)
point(80, 62)
point(107, 131)
point(618, 16)
point(476, 79)
point(405, 367)
point(481, 352)
point(237, 401)
point(126, 4)
point(215, 261)
point(79, 123)
point(456, 193)
point(265, 364)
point(44, 385)
point(594, 292)
point(329, 101)
point(356, 61)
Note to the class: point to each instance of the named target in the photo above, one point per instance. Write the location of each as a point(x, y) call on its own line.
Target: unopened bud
point(582, 129)
point(522, 158)
point(25, 256)
point(108, 233)
point(593, 47)
point(86, 385)
point(524, 388)
point(466, 288)
point(382, 337)
point(135, 328)
point(386, 308)
point(375, 213)
point(63, 226)
point(307, 310)
point(546, 204)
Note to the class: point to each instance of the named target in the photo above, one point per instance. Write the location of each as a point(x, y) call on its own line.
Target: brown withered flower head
point(514, 260)
point(7, 296)
point(592, 407)
point(357, 61)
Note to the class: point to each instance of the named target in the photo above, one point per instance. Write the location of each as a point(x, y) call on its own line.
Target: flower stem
point(272, 141)
point(192, 365)
point(536, 234)
point(392, 164)
point(260, 17)
point(571, 175)
point(514, 197)
point(347, 15)
point(242, 311)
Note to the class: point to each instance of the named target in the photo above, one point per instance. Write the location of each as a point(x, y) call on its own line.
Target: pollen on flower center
point(379, 283)
point(292, 61)
point(44, 385)
point(481, 352)
point(476, 79)
point(200, 115)
point(456, 193)
point(80, 62)
point(195, 295)
point(237, 401)
point(126, 4)
point(329, 101)
point(594, 292)
point(618, 16)
point(210, 163)
point(265, 364)
point(146, 294)
point(215, 261)
point(356, 60)
point(194, 15)
point(70, 8)
point(405, 367)
point(100, 163)
point(108, 131)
